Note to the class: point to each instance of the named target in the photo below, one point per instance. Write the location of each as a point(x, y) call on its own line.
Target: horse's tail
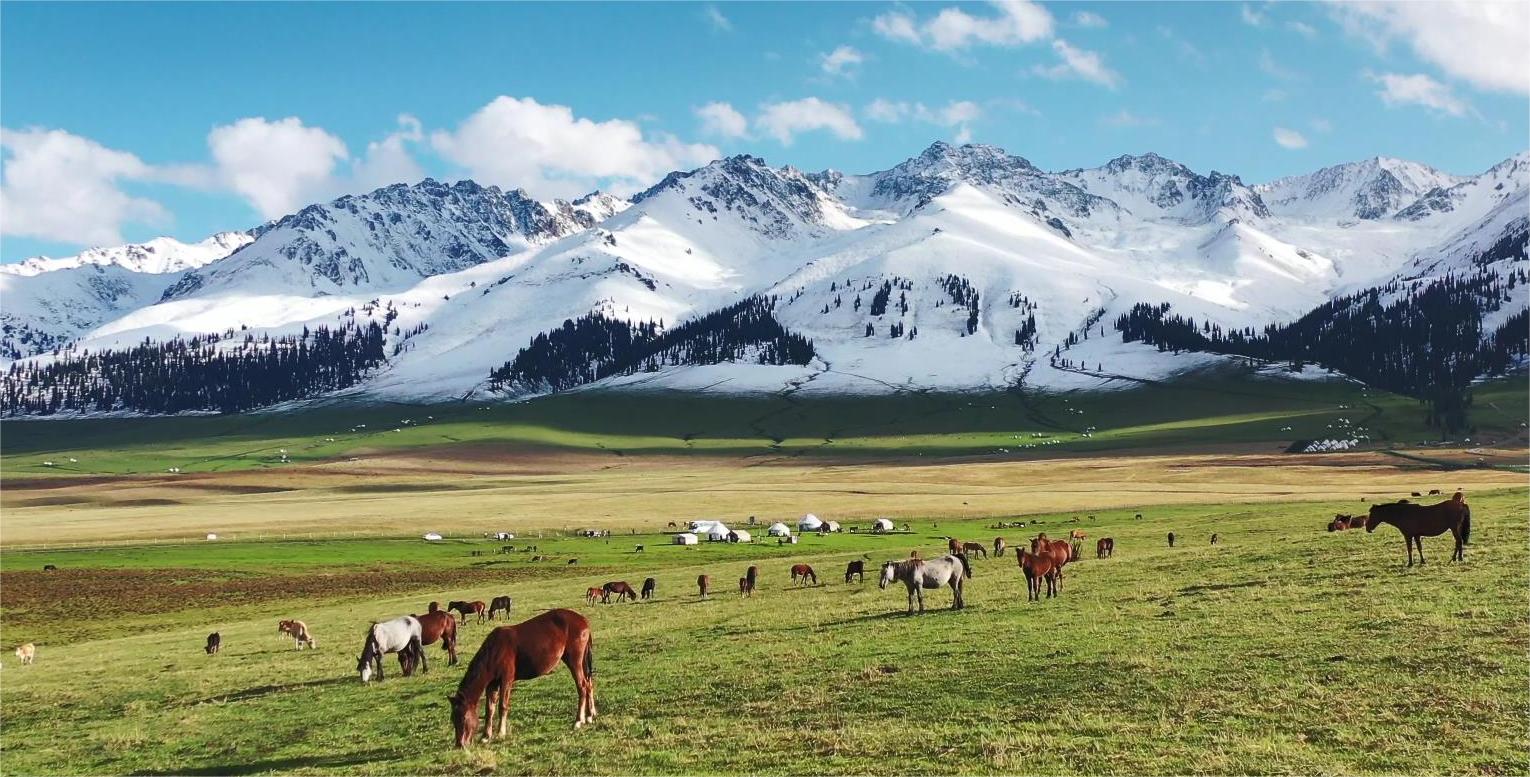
point(589, 658)
point(1466, 523)
point(966, 566)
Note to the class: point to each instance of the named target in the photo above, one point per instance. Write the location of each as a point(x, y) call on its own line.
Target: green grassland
point(1205, 409)
point(1283, 649)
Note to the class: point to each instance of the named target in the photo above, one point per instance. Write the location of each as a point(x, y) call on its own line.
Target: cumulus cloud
point(60, 186)
point(1418, 89)
point(1482, 43)
point(552, 153)
point(1089, 19)
point(722, 119)
point(957, 114)
point(1289, 138)
point(388, 161)
point(785, 120)
point(278, 166)
point(842, 61)
point(1080, 63)
point(1011, 23)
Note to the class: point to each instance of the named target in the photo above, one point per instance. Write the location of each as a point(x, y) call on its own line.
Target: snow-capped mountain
point(964, 267)
point(160, 255)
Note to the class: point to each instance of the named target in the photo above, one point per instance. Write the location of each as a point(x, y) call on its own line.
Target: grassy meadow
point(1283, 649)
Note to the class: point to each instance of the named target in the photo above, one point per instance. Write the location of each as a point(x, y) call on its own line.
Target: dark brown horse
point(704, 582)
point(468, 608)
point(214, 643)
point(802, 573)
point(855, 568)
point(524, 651)
point(1105, 547)
point(438, 625)
point(974, 548)
point(648, 586)
point(1171, 539)
point(500, 604)
point(953, 545)
point(620, 588)
point(1419, 521)
point(1037, 567)
point(750, 579)
point(998, 546)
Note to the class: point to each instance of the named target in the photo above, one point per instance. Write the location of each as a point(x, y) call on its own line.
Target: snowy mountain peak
point(158, 256)
point(1155, 187)
point(1369, 189)
point(773, 202)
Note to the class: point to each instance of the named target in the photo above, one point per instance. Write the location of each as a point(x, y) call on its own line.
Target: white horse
point(400, 635)
point(919, 574)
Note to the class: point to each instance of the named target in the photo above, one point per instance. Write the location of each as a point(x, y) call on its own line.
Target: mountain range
point(963, 268)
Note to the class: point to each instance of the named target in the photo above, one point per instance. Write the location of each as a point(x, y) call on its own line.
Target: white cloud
point(842, 61)
point(1289, 138)
point(1320, 124)
point(1013, 22)
point(715, 18)
point(1089, 19)
point(958, 114)
point(1079, 63)
point(1275, 69)
point(60, 186)
point(1187, 50)
point(278, 166)
point(785, 120)
point(1253, 17)
point(388, 161)
point(1125, 118)
point(1482, 43)
point(722, 119)
point(1418, 89)
point(1303, 29)
point(884, 110)
point(550, 152)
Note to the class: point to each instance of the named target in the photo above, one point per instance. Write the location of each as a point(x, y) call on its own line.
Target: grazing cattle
point(27, 653)
point(591, 594)
point(649, 585)
point(214, 643)
point(918, 574)
point(298, 630)
point(703, 582)
point(572, 561)
point(1213, 538)
point(500, 604)
point(402, 635)
point(468, 608)
point(998, 546)
point(802, 573)
point(49, 568)
point(1138, 517)
point(525, 651)
point(751, 579)
point(1419, 521)
point(1104, 547)
point(855, 568)
point(639, 549)
point(1415, 493)
point(974, 547)
point(621, 589)
point(437, 625)
point(1037, 567)
point(1434, 491)
point(1171, 539)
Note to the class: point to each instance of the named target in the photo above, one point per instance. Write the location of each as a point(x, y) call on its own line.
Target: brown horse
point(1171, 539)
point(998, 546)
point(1060, 551)
point(975, 547)
point(500, 604)
point(437, 625)
point(648, 586)
point(525, 651)
point(591, 594)
point(802, 573)
point(468, 608)
point(1104, 548)
point(620, 588)
point(749, 580)
point(704, 582)
point(953, 545)
point(1419, 521)
point(1037, 567)
point(855, 568)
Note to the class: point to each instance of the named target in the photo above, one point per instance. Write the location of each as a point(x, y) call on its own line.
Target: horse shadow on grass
point(933, 612)
point(322, 762)
point(266, 690)
point(1199, 589)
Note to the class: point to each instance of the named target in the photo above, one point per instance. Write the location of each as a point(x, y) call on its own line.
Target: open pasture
point(1283, 649)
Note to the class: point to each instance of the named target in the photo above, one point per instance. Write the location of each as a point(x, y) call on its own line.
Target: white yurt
point(702, 528)
point(831, 525)
point(809, 522)
point(881, 526)
point(686, 538)
point(778, 529)
point(717, 533)
point(211, 537)
point(739, 535)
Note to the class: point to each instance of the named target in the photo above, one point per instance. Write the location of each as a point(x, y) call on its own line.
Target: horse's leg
point(419, 650)
point(1420, 540)
point(505, 689)
point(1460, 555)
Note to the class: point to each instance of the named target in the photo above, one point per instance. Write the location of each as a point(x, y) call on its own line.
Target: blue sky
point(127, 121)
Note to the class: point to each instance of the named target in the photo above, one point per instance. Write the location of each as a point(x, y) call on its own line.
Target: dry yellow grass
point(468, 491)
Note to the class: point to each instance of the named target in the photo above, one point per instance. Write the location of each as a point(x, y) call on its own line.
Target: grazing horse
point(54, 568)
point(468, 608)
point(998, 546)
point(1419, 521)
point(1104, 547)
point(500, 604)
point(974, 547)
point(953, 545)
point(802, 573)
point(1213, 538)
point(441, 626)
point(1059, 550)
point(27, 653)
point(214, 643)
point(856, 568)
point(591, 594)
point(703, 582)
point(1171, 539)
point(525, 651)
point(919, 574)
point(620, 588)
point(298, 630)
point(648, 586)
point(750, 579)
point(1037, 567)
point(402, 635)
point(1434, 491)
